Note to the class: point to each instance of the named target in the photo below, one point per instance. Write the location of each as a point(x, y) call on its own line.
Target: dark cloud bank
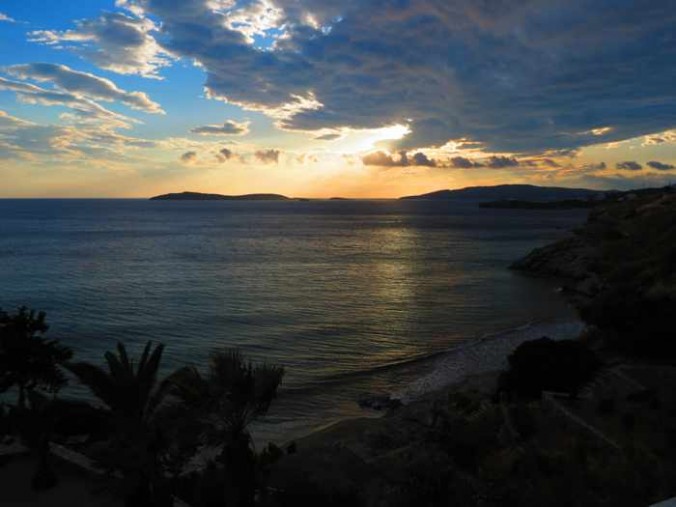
point(519, 76)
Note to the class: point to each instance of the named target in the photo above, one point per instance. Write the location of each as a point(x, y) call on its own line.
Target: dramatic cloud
point(267, 156)
point(114, 41)
point(84, 84)
point(519, 77)
point(4, 17)
point(660, 166)
point(229, 128)
point(189, 157)
point(629, 165)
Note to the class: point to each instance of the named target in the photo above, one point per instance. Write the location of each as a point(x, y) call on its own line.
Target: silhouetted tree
point(232, 394)
point(132, 394)
point(29, 361)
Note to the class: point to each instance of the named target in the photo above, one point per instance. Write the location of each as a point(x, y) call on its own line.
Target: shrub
point(545, 364)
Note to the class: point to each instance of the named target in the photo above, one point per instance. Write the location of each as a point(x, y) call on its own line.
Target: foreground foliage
point(547, 365)
point(132, 394)
point(216, 408)
point(29, 361)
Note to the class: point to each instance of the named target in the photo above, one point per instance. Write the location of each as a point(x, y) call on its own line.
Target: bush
point(635, 323)
point(548, 365)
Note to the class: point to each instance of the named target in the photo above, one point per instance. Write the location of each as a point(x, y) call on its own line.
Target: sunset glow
point(103, 98)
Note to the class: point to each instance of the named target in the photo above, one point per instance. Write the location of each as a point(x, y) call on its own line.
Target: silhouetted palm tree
point(232, 394)
point(29, 361)
point(132, 393)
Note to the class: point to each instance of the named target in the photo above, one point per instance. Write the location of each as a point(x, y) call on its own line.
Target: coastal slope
point(504, 192)
point(619, 270)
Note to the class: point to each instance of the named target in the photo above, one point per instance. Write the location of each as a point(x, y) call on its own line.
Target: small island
point(199, 196)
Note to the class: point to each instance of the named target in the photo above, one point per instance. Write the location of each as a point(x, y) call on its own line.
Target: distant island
point(199, 196)
point(507, 192)
point(498, 196)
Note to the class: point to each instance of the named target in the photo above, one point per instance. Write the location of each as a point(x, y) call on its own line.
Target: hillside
point(504, 192)
point(198, 196)
point(619, 269)
point(541, 205)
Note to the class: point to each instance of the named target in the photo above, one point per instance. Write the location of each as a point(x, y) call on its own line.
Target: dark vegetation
point(547, 365)
point(28, 361)
point(620, 272)
point(144, 429)
point(587, 422)
point(540, 205)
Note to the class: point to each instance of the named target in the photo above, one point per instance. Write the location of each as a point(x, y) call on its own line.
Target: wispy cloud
point(229, 128)
point(24, 139)
point(83, 107)
point(84, 84)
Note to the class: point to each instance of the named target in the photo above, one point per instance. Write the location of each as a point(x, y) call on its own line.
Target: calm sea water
point(352, 297)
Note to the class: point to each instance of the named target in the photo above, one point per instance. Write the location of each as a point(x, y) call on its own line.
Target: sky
point(323, 98)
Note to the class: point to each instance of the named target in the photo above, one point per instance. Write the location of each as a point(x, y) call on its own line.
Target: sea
point(353, 297)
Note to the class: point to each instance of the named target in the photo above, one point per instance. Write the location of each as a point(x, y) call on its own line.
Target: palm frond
point(116, 368)
point(99, 382)
point(144, 356)
point(146, 376)
point(122, 353)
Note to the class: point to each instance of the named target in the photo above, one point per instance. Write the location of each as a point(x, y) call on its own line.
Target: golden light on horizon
point(359, 141)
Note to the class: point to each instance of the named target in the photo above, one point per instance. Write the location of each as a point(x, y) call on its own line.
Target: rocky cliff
point(619, 269)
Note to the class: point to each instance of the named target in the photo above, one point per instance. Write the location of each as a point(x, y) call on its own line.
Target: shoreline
point(329, 434)
point(451, 374)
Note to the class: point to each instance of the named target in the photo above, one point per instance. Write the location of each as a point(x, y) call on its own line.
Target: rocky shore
point(613, 229)
point(619, 270)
